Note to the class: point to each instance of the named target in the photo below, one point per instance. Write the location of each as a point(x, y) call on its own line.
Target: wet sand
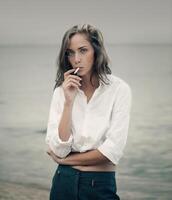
point(128, 189)
point(14, 191)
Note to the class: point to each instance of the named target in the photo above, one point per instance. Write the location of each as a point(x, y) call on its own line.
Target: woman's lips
point(80, 69)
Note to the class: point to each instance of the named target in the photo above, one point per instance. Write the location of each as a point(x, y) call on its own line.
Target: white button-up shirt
point(101, 124)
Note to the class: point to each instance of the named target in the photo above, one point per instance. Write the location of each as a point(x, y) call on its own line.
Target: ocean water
point(27, 75)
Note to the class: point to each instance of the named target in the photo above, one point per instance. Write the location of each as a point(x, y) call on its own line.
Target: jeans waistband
point(67, 169)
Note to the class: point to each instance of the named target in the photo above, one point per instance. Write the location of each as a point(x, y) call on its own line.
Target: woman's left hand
point(54, 157)
point(92, 157)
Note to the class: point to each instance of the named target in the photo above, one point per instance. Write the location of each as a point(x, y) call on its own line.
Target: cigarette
point(77, 69)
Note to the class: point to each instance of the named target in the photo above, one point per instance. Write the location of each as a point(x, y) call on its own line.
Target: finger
point(73, 81)
point(48, 151)
point(55, 158)
point(71, 84)
point(74, 77)
point(68, 72)
point(67, 82)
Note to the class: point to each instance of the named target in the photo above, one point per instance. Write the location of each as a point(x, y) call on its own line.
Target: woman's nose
point(77, 58)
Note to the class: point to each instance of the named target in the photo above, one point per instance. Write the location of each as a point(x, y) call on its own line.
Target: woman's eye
point(69, 53)
point(83, 50)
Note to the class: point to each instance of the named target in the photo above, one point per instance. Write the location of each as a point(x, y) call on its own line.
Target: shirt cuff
point(59, 147)
point(110, 151)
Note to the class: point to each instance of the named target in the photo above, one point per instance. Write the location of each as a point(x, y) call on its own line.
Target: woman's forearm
point(93, 157)
point(64, 128)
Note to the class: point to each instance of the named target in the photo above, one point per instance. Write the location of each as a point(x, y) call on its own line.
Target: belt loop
point(92, 182)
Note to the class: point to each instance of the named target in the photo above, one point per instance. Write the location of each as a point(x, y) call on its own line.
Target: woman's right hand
point(70, 85)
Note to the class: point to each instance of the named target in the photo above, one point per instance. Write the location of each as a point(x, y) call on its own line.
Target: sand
point(13, 191)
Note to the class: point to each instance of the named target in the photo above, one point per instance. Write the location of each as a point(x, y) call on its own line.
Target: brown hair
point(101, 60)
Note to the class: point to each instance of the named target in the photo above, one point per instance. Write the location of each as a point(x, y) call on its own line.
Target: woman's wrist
point(68, 104)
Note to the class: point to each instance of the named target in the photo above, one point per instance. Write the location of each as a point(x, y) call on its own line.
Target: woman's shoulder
point(58, 91)
point(120, 88)
point(117, 82)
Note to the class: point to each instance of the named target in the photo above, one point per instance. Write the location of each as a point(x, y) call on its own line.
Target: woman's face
point(81, 54)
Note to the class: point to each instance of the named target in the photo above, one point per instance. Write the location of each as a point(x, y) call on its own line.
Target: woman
point(88, 119)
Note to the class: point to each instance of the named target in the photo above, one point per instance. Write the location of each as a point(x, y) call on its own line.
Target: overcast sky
point(121, 21)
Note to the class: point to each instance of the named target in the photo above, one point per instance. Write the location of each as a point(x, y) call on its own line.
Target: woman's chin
point(82, 74)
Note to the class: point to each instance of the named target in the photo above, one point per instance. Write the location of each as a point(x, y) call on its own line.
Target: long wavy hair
point(100, 67)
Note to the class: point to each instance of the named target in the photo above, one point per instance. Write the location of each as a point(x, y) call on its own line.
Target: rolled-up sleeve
point(59, 147)
point(116, 136)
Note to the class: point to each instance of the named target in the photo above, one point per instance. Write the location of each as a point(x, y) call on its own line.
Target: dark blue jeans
point(72, 184)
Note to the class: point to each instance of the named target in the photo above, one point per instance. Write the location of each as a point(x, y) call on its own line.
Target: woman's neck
point(87, 85)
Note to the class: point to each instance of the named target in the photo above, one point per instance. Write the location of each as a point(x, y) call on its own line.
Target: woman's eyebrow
point(78, 48)
point(82, 47)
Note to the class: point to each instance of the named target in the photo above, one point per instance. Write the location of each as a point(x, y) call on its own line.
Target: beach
point(152, 191)
point(14, 191)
